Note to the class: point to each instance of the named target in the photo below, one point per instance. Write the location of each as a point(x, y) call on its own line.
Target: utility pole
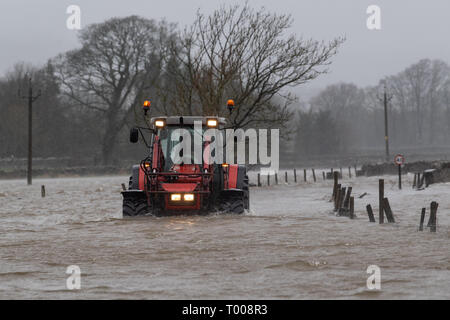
point(385, 101)
point(30, 99)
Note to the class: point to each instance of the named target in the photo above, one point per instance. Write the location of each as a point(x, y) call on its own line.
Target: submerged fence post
point(341, 199)
point(352, 207)
point(422, 219)
point(345, 202)
point(370, 213)
point(380, 200)
point(336, 197)
point(432, 220)
point(335, 177)
point(388, 210)
point(347, 197)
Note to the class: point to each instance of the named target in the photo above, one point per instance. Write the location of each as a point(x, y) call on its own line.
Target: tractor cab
point(172, 131)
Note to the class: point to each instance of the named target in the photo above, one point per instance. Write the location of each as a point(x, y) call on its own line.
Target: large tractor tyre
point(246, 193)
point(234, 203)
point(135, 207)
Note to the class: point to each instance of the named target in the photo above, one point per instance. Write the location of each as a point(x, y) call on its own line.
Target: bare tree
point(439, 77)
point(247, 55)
point(420, 89)
point(118, 63)
point(345, 104)
point(418, 79)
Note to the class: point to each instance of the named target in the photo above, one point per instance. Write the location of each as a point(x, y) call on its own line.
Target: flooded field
point(289, 246)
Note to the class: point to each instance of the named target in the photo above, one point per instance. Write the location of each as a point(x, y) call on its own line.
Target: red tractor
point(158, 186)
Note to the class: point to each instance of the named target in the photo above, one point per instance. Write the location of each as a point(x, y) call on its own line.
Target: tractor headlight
point(211, 123)
point(175, 197)
point(188, 197)
point(160, 123)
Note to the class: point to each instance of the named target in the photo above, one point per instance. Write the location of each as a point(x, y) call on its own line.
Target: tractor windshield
point(170, 138)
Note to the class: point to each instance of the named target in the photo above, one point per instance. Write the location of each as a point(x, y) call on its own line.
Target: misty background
point(338, 115)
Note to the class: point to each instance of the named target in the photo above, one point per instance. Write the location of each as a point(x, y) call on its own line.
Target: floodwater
point(289, 246)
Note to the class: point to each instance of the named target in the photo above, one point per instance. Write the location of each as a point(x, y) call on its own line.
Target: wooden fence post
point(380, 200)
point(323, 175)
point(268, 179)
point(422, 219)
point(295, 175)
point(259, 180)
point(388, 210)
point(432, 221)
point(285, 177)
point(43, 191)
point(335, 177)
point(276, 178)
point(345, 202)
point(347, 197)
point(370, 213)
point(341, 199)
point(304, 175)
point(414, 180)
point(350, 172)
point(314, 174)
point(352, 207)
point(336, 197)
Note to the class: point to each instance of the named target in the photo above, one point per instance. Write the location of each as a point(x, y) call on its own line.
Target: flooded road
point(289, 246)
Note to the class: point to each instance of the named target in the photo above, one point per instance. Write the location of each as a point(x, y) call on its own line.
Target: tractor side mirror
point(134, 135)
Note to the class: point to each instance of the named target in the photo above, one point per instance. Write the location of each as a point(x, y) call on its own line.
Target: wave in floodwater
point(289, 246)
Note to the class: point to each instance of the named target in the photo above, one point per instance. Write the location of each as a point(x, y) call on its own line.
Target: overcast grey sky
point(35, 30)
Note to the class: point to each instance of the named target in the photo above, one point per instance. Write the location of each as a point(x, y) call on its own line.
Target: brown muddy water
point(289, 246)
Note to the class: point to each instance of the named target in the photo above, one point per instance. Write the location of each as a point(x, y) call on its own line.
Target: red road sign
point(399, 159)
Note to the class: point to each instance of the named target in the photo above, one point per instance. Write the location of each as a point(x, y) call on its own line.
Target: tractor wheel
point(246, 193)
point(135, 207)
point(234, 203)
